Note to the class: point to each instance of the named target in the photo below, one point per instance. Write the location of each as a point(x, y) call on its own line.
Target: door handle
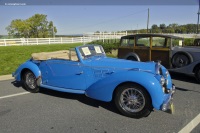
point(79, 73)
point(110, 72)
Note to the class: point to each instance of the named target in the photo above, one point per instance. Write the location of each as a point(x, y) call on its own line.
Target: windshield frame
point(89, 51)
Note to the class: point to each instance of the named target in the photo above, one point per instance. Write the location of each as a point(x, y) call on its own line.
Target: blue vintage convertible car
point(135, 87)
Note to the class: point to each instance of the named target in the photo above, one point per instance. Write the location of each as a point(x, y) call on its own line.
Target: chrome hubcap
point(132, 100)
point(30, 80)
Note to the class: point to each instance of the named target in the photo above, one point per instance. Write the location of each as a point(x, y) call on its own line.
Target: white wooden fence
point(57, 40)
point(39, 41)
point(67, 40)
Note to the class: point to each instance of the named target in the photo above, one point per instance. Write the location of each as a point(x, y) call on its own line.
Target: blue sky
point(79, 19)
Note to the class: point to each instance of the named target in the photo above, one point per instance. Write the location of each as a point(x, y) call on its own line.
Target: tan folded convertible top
point(62, 54)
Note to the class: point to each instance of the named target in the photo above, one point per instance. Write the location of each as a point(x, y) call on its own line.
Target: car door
point(64, 74)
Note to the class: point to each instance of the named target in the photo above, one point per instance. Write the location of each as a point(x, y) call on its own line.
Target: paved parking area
point(51, 111)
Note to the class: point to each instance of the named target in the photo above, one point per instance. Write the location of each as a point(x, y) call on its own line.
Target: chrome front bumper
point(167, 105)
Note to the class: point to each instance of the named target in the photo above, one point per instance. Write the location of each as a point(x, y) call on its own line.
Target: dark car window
point(158, 42)
point(197, 42)
point(131, 42)
point(143, 41)
point(128, 42)
point(177, 42)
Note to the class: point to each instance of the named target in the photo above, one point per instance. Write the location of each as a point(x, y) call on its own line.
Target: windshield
point(177, 42)
point(91, 50)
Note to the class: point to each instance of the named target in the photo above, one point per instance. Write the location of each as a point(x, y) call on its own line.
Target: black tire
point(132, 58)
point(30, 82)
point(197, 74)
point(181, 59)
point(133, 101)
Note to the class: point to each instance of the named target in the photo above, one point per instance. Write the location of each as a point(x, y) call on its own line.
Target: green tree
point(183, 29)
point(18, 28)
point(162, 27)
point(52, 29)
point(155, 29)
point(173, 25)
point(191, 28)
point(36, 26)
point(174, 28)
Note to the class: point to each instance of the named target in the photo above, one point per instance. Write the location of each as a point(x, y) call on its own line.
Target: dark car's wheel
point(133, 101)
point(132, 58)
point(30, 82)
point(197, 74)
point(181, 59)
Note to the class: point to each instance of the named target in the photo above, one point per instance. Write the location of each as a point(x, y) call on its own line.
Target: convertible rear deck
point(62, 54)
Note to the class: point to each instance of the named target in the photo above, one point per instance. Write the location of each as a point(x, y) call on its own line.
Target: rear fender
point(29, 65)
point(103, 89)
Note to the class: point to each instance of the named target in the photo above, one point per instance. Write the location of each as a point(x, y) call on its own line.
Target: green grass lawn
point(12, 56)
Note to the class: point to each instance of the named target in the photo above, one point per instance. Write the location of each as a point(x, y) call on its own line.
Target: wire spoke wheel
point(132, 100)
point(30, 82)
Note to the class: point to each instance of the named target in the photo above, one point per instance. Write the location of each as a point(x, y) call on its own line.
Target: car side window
point(131, 42)
point(128, 42)
point(143, 41)
point(158, 42)
point(197, 42)
point(177, 42)
point(124, 42)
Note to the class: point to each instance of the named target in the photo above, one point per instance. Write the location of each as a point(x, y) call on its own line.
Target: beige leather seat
point(73, 56)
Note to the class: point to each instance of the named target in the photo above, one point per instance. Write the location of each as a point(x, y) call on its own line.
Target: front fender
point(27, 65)
point(104, 88)
point(189, 69)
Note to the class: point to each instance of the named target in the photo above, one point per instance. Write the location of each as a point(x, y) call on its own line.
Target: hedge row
point(108, 45)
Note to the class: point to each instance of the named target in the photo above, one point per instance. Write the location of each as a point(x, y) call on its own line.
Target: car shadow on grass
point(79, 97)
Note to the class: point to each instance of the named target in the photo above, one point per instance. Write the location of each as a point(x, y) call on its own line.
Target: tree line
point(174, 28)
point(36, 26)
point(171, 28)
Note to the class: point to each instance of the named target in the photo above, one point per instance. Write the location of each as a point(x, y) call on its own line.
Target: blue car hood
point(123, 64)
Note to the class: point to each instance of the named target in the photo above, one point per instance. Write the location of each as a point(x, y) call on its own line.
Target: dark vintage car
point(166, 48)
